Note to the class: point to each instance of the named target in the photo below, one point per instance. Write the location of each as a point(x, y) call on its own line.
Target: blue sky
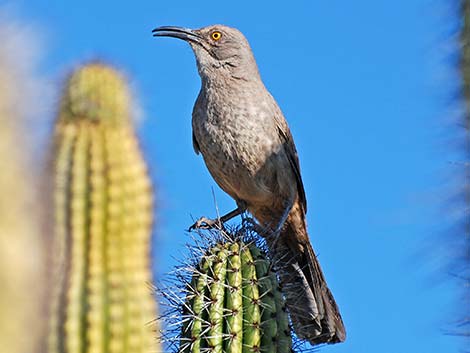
point(365, 86)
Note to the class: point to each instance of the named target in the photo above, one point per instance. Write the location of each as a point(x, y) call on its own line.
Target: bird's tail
point(314, 313)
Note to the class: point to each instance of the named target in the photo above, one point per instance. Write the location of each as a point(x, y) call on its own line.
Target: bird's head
point(219, 50)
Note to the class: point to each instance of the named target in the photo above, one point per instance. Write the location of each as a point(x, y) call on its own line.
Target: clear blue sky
point(364, 86)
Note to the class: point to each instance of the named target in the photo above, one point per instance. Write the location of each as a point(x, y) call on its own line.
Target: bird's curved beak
point(185, 34)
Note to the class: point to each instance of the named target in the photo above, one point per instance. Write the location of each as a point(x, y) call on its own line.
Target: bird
point(249, 150)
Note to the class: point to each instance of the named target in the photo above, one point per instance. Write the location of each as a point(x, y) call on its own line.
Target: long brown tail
point(313, 310)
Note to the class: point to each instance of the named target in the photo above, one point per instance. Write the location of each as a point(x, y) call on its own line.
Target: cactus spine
point(103, 219)
point(234, 303)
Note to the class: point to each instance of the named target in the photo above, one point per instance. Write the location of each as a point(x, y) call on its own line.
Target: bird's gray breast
point(237, 138)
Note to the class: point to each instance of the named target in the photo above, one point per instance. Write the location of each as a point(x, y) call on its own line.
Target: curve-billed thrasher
point(248, 149)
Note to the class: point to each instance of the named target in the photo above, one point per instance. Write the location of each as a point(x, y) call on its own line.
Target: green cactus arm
point(103, 221)
point(251, 306)
point(97, 284)
point(64, 153)
point(118, 323)
point(197, 304)
point(283, 336)
point(217, 294)
point(268, 310)
point(137, 226)
point(98, 94)
point(234, 301)
point(75, 328)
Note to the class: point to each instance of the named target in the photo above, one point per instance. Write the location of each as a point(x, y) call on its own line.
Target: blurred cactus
point(103, 218)
point(465, 59)
point(233, 303)
point(465, 69)
point(22, 268)
point(464, 245)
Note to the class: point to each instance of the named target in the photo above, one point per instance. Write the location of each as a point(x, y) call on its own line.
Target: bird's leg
point(277, 231)
point(207, 223)
point(284, 216)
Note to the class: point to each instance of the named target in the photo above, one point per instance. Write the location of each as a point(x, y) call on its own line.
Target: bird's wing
point(196, 116)
point(291, 151)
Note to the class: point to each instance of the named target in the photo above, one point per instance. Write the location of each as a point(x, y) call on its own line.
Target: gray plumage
point(249, 150)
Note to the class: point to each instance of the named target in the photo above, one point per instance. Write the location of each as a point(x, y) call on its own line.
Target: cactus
point(22, 255)
point(103, 217)
point(233, 302)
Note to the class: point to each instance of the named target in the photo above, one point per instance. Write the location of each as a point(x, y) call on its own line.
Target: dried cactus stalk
point(234, 303)
point(103, 218)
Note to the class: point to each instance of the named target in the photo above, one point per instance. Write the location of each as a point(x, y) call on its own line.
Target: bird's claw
point(206, 223)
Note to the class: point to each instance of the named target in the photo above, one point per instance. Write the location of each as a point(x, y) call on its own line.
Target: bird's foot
point(206, 223)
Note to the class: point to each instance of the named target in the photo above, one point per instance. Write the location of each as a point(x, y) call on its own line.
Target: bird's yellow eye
point(216, 35)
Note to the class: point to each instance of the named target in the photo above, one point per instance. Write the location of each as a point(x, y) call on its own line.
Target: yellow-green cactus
point(103, 218)
point(233, 303)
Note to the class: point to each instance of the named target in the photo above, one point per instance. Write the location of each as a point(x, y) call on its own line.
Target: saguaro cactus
point(103, 216)
point(234, 303)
